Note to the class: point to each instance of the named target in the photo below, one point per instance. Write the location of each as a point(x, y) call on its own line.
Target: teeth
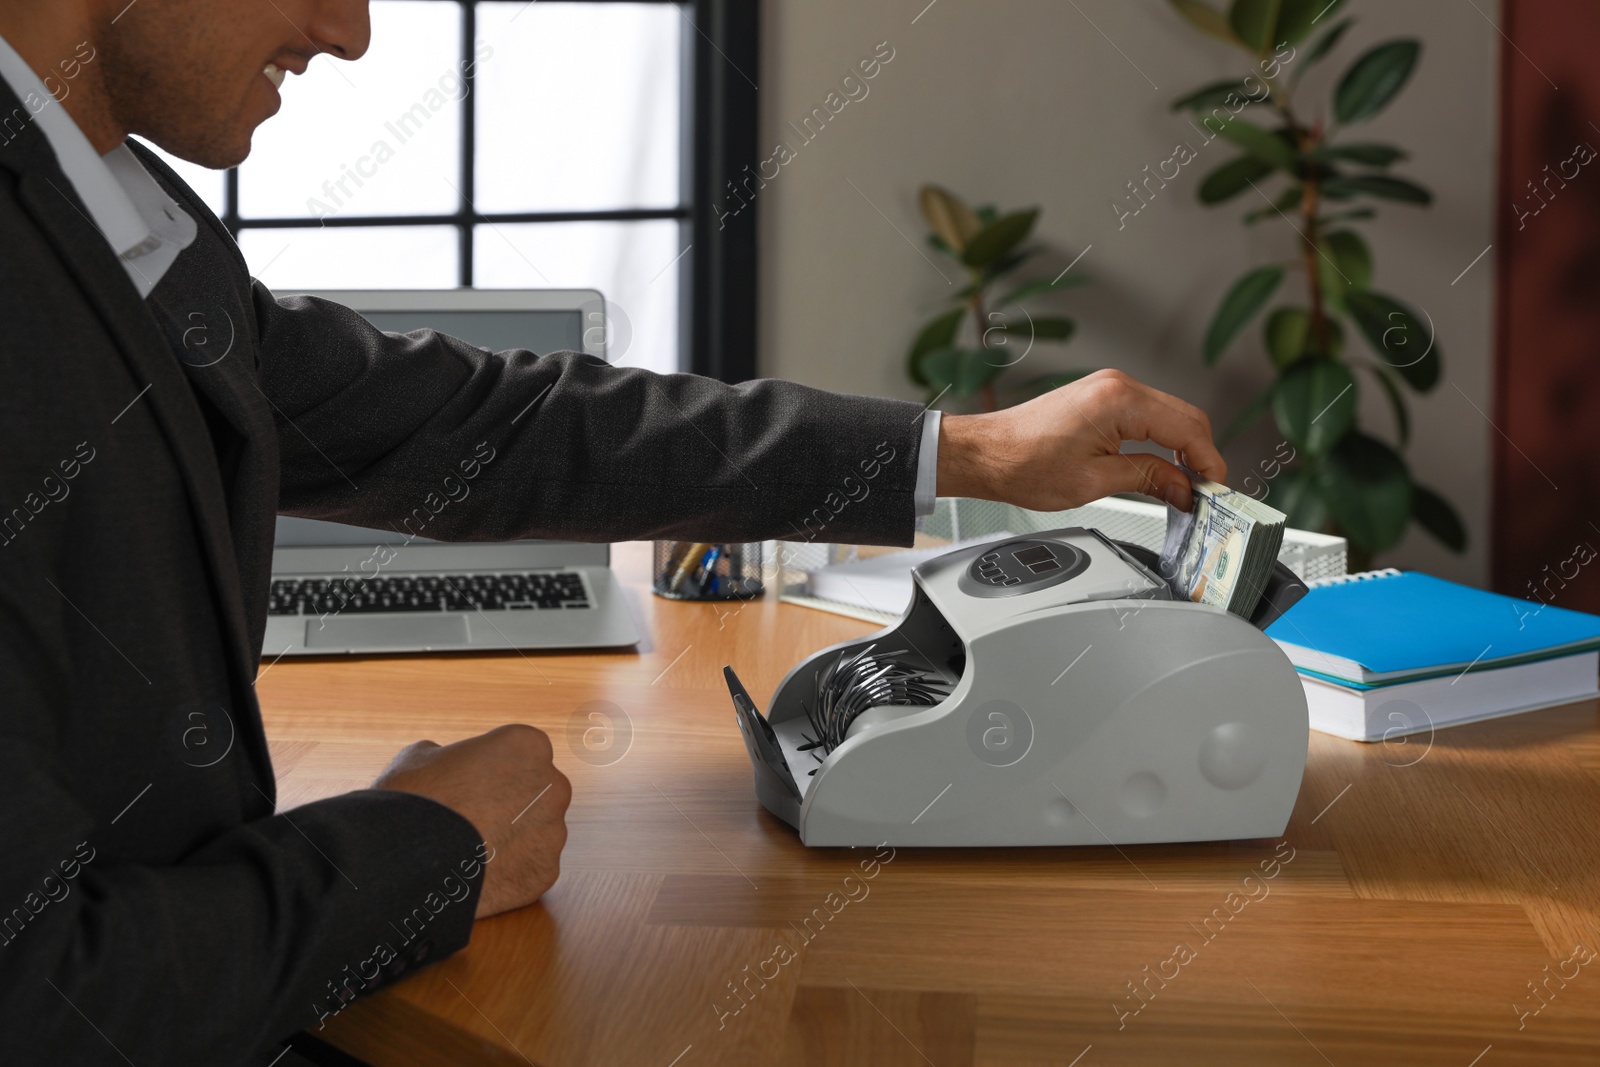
point(274, 75)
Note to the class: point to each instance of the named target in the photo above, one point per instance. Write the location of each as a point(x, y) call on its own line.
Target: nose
point(341, 28)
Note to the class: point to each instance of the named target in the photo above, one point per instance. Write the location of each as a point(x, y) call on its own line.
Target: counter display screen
point(1038, 559)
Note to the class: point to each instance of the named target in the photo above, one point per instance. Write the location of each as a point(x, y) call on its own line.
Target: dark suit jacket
point(153, 908)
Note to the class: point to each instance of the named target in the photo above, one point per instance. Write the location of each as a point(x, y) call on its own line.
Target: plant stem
point(1309, 202)
point(986, 396)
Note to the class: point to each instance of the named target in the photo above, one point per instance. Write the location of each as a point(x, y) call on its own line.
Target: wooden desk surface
point(1426, 908)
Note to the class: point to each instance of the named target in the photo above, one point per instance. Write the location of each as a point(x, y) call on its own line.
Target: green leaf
point(1345, 262)
point(1379, 185)
point(1008, 264)
point(1231, 179)
point(1368, 491)
point(1396, 337)
point(951, 220)
point(1365, 154)
point(1288, 336)
point(978, 369)
point(1265, 146)
point(1247, 297)
point(1285, 335)
point(1324, 44)
point(999, 237)
point(1288, 200)
point(1255, 22)
point(1044, 329)
point(992, 274)
point(940, 333)
point(1374, 79)
point(1435, 514)
point(1315, 404)
point(1033, 289)
point(1402, 416)
point(1249, 416)
point(963, 370)
point(1214, 95)
point(1206, 19)
point(939, 367)
point(1299, 17)
point(1295, 494)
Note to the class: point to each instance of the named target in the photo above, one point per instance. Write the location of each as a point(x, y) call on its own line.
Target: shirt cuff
point(928, 464)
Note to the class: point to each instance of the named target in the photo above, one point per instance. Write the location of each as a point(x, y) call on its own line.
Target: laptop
point(347, 589)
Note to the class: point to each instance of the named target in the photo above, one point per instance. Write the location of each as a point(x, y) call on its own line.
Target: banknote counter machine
point(1042, 690)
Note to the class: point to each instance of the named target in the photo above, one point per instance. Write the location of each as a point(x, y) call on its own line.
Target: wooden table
point(1423, 891)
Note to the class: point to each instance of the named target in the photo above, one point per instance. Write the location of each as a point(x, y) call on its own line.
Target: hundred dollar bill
point(1222, 551)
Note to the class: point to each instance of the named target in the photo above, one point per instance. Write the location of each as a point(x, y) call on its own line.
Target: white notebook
point(881, 583)
point(1390, 711)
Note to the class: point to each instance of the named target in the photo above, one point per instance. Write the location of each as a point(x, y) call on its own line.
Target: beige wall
point(1023, 102)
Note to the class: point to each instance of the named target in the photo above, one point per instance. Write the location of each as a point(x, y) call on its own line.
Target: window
point(505, 143)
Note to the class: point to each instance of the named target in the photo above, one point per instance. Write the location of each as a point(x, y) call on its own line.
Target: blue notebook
point(1383, 627)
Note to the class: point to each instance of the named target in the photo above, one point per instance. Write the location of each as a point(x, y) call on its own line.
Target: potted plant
point(964, 350)
point(1298, 167)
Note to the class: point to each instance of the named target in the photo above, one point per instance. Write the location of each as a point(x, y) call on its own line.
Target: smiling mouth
point(275, 74)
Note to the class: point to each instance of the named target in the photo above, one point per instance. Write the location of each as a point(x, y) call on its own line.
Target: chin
point(234, 156)
point(217, 150)
point(218, 140)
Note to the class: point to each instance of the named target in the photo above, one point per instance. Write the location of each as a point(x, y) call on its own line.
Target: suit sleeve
point(425, 434)
point(269, 927)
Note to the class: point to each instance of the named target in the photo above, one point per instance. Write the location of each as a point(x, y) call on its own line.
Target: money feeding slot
point(1042, 690)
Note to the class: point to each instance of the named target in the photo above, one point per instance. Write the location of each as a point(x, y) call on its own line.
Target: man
point(153, 908)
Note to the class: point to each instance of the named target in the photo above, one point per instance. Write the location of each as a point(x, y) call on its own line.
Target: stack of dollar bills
point(1222, 551)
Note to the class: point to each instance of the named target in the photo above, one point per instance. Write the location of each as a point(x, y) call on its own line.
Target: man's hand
point(1063, 449)
point(504, 783)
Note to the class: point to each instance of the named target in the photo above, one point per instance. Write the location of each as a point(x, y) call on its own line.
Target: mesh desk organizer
point(1042, 690)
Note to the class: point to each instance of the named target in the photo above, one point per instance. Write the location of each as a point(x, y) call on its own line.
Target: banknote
point(1222, 551)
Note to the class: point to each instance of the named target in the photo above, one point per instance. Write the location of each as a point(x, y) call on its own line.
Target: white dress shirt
point(928, 464)
point(144, 227)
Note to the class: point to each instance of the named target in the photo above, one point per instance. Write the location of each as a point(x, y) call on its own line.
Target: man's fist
point(1064, 449)
point(505, 784)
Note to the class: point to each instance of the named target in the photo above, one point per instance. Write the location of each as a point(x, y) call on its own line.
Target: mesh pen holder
point(695, 570)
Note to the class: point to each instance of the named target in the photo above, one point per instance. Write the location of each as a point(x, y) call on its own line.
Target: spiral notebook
point(1387, 653)
point(1380, 627)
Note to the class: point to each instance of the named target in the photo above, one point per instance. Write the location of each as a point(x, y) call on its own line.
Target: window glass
point(353, 257)
point(578, 106)
point(635, 265)
point(380, 136)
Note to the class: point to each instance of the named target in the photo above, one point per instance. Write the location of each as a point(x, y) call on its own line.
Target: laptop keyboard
point(349, 595)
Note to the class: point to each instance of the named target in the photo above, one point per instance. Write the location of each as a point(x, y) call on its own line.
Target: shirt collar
point(141, 223)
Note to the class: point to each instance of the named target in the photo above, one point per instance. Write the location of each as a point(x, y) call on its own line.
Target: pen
point(690, 555)
point(708, 575)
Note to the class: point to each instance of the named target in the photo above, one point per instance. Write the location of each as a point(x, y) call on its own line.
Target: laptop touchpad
point(393, 631)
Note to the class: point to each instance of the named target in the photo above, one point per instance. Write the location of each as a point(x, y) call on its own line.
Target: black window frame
point(719, 127)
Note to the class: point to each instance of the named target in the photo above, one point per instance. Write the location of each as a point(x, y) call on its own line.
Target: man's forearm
point(965, 457)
